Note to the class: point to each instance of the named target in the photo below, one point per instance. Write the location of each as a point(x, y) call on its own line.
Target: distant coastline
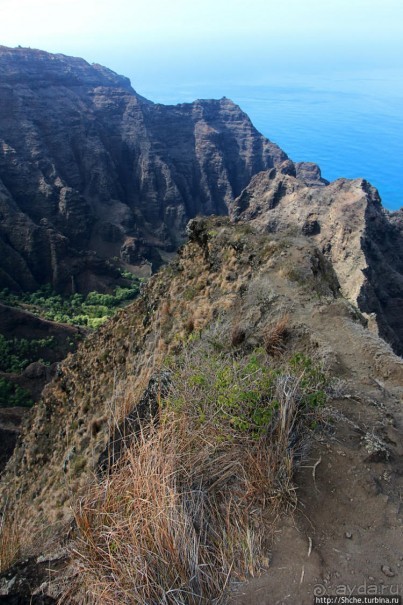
point(350, 123)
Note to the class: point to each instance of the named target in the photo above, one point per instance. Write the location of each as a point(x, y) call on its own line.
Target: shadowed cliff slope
point(90, 170)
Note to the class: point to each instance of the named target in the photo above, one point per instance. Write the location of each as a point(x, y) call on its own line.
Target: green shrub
point(242, 393)
point(17, 353)
point(13, 395)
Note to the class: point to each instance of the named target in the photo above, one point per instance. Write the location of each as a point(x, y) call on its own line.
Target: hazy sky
point(209, 39)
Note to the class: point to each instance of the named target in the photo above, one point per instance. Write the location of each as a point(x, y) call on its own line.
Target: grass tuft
point(274, 336)
point(189, 506)
point(9, 541)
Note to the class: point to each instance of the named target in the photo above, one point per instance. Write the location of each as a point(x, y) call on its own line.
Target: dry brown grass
point(190, 505)
point(175, 519)
point(238, 335)
point(9, 541)
point(274, 335)
point(189, 325)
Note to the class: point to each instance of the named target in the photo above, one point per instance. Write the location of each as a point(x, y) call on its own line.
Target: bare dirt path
point(345, 537)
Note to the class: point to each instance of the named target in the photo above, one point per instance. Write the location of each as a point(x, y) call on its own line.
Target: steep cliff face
point(229, 290)
point(90, 170)
point(347, 222)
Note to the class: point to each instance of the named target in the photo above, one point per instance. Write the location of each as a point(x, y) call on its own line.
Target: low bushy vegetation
point(13, 395)
point(240, 393)
point(17, 353)
point(189, 506)
point(89, 311)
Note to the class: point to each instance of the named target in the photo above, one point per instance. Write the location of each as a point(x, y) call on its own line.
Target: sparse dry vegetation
point(274, 335)
point(237, 336)
point(189, 507)
point(9, 540)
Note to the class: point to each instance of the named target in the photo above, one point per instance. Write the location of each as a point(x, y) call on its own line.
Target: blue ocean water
point(348, 122)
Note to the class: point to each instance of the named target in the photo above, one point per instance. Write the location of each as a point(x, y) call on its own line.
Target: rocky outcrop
point(90, 170)
point(347, 222)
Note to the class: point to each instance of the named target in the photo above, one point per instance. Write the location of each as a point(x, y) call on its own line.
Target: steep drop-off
point(95, 178)
point(90, 170)
point(347, 222)
point(229, 289)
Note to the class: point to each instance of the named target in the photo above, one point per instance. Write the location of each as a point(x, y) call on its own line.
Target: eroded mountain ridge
point(101, 172)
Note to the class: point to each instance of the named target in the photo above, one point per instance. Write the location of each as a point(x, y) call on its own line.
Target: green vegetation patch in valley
point(17, 353)
point(89, 311)
point(13, 395)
